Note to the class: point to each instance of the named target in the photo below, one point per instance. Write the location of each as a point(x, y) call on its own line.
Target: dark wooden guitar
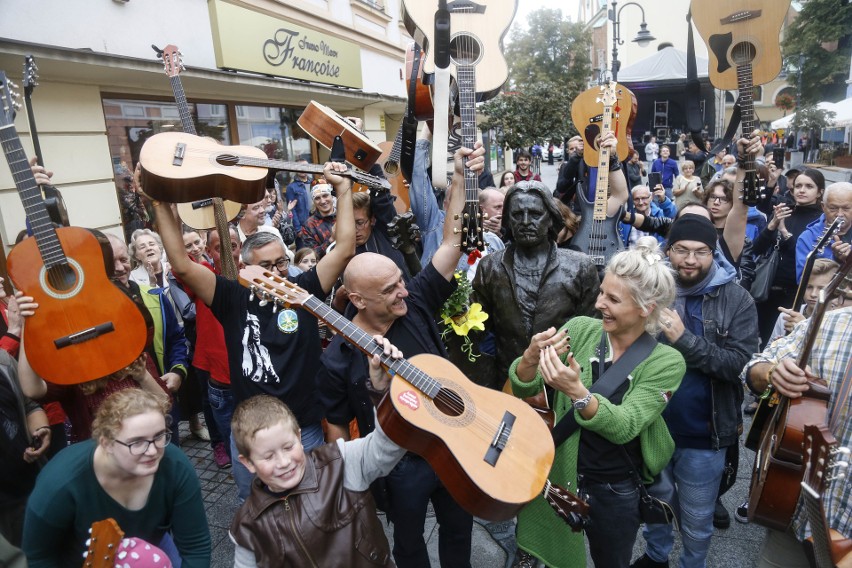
point(587, 118)
point(105, 537)
point(825, 548)
point(490, 450)
point(323, 125)
point(179, 167)
point(597, 234)
point(742, 40)
point(85, 328)
point(778, 464)
point(404, 232)
point(53, 200)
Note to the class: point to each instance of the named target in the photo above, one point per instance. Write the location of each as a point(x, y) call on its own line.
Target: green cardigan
point(652, 383)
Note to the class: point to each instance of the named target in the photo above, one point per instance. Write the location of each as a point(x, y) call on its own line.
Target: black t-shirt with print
point(275, 354)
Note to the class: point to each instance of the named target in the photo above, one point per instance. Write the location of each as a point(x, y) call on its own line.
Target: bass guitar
point(52, 197)
point(778, 464)
point(324, 125)
point(198, 214)
point(587, 118)
point(181, 167)
point(490, 450)
point(597, 234)
point(825, 548)
point(85, 328)
point(742, 40)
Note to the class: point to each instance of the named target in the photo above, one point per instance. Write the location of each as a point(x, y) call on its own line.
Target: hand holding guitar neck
point(41, 174)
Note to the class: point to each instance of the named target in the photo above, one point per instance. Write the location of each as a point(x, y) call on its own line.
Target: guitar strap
point(608, 381)
point(694, 120)
point(441, 99)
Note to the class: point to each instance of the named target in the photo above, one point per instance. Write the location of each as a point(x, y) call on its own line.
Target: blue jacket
point(300, 191)
point(665, 209)
point(668, 169)
point(170, 344)
point(808, 239)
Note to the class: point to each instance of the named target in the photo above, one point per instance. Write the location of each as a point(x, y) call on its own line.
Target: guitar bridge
point(85, 335)
point(504, 430)
point(180, 152)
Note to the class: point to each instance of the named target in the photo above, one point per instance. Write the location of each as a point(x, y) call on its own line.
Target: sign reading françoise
point(251, 41)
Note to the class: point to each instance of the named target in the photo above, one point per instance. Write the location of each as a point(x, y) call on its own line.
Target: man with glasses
point(270, 351)
point(713, 324)
point(373, 211)
point(649, 206)
point(836, 202)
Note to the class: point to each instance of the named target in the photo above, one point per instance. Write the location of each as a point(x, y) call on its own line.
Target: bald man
point(404, 314)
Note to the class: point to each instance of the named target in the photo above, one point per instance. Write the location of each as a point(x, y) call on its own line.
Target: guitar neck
point(391, 167)
point(602, 188)
point(820, 538)
point(472, 224)
point(358, 176)
point(33, 130)
point(745, 82)
point(186, 122)
point(43, 230)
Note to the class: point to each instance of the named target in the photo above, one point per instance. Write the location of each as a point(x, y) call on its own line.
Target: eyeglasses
point(719, 198)
point(282, 264)
point(699, 254)
point(139, 447)
point(361, 223)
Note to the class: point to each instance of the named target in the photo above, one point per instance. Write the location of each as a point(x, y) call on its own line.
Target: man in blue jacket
point(837, 202)
point(667, 167)
point(658, 205)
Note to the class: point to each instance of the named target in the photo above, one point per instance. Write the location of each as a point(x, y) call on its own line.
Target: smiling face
point(121, 259)
point(145, 426)
point(665, 153)
point(528, 219)
point(277, 457)
point(255, 214)
point(642, 200)
point(691, 260)
point(621, 314)
point(523, 164)
point(324, 203)
point(194, 246)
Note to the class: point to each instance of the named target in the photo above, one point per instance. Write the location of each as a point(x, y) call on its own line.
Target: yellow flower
point(473, 319)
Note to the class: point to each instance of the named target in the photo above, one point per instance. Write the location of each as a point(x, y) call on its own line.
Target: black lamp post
point(643, 38)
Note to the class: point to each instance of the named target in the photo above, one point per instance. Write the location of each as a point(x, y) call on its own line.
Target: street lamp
point(643, 38)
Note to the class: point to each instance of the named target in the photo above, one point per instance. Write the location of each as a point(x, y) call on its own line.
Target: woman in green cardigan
point(637, 285)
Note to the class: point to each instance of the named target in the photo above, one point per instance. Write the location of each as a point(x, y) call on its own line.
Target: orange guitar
point(323, 125)
point(85, 328)
point(587, 118)
point(105, 537)
point(490, 450)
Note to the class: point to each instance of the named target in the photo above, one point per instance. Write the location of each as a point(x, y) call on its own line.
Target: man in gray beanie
point(713, 324)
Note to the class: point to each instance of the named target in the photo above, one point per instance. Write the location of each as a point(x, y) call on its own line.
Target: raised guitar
point(323, 125)
point(181, 167)
point(404, 232)
point(105, 536)
point(825, 548)
point(597, 234)
point(53, 200)
point(587, 118)
point(198, 214)
point(742, 39)
point(490, 450)
point(85, 328)
point(778, 464)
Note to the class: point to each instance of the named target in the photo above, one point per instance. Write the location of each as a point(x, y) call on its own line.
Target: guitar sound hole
point(449, 402)
point(227, 160)
point(743, 52)
point(61, 278)
point(465, 49)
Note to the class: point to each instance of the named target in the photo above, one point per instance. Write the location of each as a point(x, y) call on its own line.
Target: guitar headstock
point(608, 96)
point(404, 232)
point(471, 229)
point(172, 62)
point(30, 80)
point(828, 233)
point(105, 537)
point(267, 287)
point(570, 508)
point(9, 104)
point(823, 459)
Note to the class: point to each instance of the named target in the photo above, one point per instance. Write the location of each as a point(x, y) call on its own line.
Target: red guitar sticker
point(409, 399)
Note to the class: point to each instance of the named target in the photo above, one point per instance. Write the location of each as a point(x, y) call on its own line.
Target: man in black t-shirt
point(405, 315)
point(270, 352)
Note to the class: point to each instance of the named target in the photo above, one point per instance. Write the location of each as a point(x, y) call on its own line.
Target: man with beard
point(713, 324)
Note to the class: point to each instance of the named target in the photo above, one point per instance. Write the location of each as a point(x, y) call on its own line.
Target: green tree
point(539, 112)
point(822, 34)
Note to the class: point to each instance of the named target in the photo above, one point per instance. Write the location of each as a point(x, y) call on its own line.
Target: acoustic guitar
point(597, 234)
point(177, 167)
point(490, 450)
point(389, 160)
point(105, 538)
point(778, 464)
point(825, 548)
point(198, 214)
point(587, 118)
point(323, 125)
point(85, 328)
point(742, 40)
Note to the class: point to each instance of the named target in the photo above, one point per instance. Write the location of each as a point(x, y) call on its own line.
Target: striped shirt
point(829, 358)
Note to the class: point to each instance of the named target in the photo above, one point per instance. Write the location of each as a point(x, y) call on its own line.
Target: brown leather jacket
point(317, 524)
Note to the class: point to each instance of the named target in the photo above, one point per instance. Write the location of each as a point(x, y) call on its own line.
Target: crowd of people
point(645, 360)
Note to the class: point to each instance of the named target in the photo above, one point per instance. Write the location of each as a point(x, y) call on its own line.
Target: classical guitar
point(490, 450)
point(389, 160)
point(105, 537)
point(587, 118)
point(742, 40)
point(597, 234)
point(53, 200)
point(323, 125)
point(778, 464)
point(85, 328)
point(200, 214)
point(825, 548)
point(181, 167)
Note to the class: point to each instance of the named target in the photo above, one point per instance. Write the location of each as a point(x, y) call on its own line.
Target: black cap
point(692, 227)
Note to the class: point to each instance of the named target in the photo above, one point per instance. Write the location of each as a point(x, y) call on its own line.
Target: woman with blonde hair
point(618, 438)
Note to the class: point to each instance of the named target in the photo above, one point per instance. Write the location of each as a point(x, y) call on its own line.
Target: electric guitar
point(825, 548)
point(742, 40)
point(52, 197)
point(490, 450)
point(598, 234)
point(105, 537)
point(85, 328)
point(198, 214)
point(778, 465)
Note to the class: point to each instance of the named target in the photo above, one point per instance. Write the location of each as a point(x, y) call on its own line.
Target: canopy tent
point(667, 64)
point(785, 121)
point(843, 110)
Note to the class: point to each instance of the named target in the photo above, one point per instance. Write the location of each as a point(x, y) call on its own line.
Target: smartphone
point(778, 157)
point(654, 179)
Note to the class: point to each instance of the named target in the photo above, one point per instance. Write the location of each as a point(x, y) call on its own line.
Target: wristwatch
point(582, 403)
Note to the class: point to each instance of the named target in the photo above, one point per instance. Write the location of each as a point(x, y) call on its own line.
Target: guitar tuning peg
point(456, 230)
point(456, 217)
point(252, 291)
point(264, 299)
point(275, 306)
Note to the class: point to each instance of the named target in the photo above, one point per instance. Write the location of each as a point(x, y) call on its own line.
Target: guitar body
point(205, 170)
point(482, 24)
point(399, 189)
point(323, 124)
point(731, 28)
point(587, 117)
point(89, 303)
point(598, 239)
point(201, 214)
point(456, 445)
point(419, 93)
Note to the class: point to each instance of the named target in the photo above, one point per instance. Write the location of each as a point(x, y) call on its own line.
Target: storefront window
point(273, 130)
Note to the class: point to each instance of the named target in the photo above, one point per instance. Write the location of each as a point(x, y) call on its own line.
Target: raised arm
point(331, 266)
point(735, 226)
